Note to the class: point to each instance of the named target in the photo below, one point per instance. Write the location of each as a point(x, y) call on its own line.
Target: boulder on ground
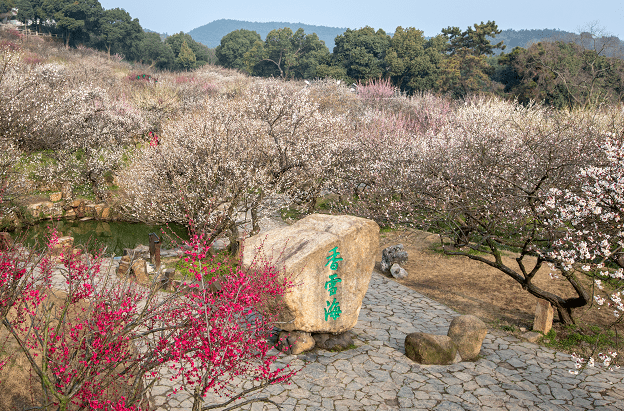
point(391, 255)
point(330, 259)
point(295, 342)
point(397, 271)
point(467, 332)
point(430, 349)
point(333, 341)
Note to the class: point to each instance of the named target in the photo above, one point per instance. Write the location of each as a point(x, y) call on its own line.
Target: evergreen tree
point(186, 57)
point(25, 11)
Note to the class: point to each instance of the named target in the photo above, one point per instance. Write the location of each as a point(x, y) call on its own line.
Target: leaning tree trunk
point(564, 306)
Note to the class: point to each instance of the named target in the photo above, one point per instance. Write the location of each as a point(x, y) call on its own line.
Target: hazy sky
point(429, 16)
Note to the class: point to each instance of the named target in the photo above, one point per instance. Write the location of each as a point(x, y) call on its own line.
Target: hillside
point(211, 34)
point(524, 38)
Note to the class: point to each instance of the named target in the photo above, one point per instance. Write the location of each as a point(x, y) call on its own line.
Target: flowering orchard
point(215, 147)
point(233, 153)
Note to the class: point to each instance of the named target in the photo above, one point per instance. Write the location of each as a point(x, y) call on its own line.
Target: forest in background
point(561, 69)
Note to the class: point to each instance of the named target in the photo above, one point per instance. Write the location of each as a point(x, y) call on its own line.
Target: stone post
point(543, 316)
point(167, 279)
point(154, 248)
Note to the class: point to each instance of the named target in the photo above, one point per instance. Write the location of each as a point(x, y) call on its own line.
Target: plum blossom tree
point(220, 162)
point(482, 180)
point(94, 344)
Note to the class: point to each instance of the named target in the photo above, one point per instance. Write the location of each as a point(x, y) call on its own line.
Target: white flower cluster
point(606, 360)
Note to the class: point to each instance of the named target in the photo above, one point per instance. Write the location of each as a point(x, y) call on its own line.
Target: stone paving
point(510, 375)
point(376, 375)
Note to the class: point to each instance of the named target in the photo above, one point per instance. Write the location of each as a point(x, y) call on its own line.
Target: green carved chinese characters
point(333, 308)
point(331, 284)
point(333, 258)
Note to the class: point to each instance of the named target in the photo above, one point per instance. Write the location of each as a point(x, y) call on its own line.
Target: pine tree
point(186, 59)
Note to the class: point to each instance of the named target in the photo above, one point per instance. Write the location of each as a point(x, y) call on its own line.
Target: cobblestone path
point(510, 375)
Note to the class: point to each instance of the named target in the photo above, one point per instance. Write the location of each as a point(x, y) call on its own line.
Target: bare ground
point(472, 287)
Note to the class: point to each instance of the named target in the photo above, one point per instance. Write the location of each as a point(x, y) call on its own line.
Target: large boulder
point(330, 259)
point(467, 332)
point(430, 349)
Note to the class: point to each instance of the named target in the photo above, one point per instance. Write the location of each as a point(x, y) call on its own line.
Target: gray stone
point(391, 255)
point(295, 342)
point(430, 349)
point(333, 341)
point(531, 336)
point(397, 271)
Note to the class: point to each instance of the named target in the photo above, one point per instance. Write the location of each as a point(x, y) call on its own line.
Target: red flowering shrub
point(100, 338)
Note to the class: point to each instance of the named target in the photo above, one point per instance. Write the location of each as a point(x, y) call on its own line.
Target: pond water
point(113, 235)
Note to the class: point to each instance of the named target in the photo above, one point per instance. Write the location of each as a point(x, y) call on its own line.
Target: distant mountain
point(212, 33)
point(524, 38)
point(163, 36)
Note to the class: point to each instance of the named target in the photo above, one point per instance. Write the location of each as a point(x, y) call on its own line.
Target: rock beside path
point(467, 332)
point(430, 349)
point(330, 259)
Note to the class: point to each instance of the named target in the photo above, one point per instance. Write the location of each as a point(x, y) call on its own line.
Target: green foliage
point(202, 56)
point(466, 70)
point(362, 52)
point(221, 263)
point(155, 52)
point(6, 5)
point(413, 62)
point(25, 11)
point(572, 337)
point(77, 19)
point(331, 71)
point(461, 75)
point(231, 52)
point(119, 33)
point(562, 75)
point(287, 55)
point(473, 41)
point(186, 57)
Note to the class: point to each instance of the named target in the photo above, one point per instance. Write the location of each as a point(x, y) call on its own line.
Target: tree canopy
point(199, 50)
point(286, 54)
point(362, 52)
point(76, 18)
point(234, 45)
point(412, 61)
point(119, 33)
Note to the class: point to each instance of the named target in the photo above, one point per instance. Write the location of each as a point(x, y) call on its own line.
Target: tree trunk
point(565, 315)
